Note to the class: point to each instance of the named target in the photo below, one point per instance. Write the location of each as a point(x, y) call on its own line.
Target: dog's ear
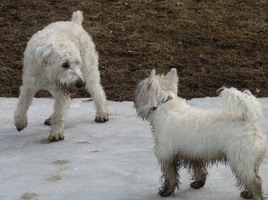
point(43, 54)
point(152, 80)
point(152, 75)
point(172, 79)
point(172, 75)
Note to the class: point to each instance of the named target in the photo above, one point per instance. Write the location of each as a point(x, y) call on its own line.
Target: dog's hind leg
point(60, 109)
point(200, 174)
point(48, 121)
point(248, 177)
point(170, 176)
point(27, 92)
point(253, 187)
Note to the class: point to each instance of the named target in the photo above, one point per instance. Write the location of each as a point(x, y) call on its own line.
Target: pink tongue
point(74, 91)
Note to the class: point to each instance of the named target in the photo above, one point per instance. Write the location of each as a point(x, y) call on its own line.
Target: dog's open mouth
point(67, 91)
point(74, 92)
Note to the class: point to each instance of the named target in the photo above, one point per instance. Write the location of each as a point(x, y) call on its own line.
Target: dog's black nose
point(79, 84)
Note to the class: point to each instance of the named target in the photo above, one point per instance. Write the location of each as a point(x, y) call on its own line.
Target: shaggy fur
point(62, 59)
point(187, 136)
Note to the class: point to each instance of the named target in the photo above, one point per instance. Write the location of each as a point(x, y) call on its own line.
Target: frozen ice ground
point(110, 161)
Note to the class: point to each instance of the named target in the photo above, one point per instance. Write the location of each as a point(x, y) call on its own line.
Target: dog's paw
point(198, 184)
point(20, 122)
point(101, 118)
point(165, 192)
point(48, 122)
point(246, 194)
point(53, 137)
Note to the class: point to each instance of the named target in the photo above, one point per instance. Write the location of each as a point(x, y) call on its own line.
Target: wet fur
point(189, 137)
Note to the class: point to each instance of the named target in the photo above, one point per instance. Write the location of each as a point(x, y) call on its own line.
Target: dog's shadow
point(204, 194)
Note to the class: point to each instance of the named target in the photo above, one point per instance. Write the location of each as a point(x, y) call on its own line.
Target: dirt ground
point(212, 43)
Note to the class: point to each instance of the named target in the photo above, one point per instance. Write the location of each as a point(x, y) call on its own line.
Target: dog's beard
point(67, 91)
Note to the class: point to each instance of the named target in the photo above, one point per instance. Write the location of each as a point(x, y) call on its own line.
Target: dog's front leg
point(27, 92)
point(170, 176)
point(200, 174)
point(60, 109)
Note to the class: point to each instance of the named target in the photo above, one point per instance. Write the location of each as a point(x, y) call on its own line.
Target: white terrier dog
point(186, 136)
point(62, 59)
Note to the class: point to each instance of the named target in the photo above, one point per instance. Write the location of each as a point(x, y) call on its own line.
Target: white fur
point(189, 135)
point(43, 68)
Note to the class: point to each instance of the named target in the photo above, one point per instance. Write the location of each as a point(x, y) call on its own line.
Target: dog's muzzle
point(73, 89)
point(79, 84)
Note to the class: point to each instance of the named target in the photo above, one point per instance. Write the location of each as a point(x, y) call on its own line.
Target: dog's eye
point(65, 65)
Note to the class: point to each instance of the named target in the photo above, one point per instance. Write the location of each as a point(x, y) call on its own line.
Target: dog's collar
point(162, 102)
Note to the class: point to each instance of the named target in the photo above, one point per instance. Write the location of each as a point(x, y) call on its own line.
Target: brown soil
point(212, 43)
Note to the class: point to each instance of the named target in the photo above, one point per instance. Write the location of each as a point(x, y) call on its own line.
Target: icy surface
point(110, 161)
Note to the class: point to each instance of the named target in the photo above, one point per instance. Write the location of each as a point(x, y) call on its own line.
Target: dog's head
point(61, 62)
point(155, 90)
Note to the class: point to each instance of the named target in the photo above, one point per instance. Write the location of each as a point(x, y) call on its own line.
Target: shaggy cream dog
point(62, 59)
point(187, 136)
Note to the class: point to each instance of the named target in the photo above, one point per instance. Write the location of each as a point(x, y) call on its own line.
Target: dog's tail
point(77, 17)
point(243, 103)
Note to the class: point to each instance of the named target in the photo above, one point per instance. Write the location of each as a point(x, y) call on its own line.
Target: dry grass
point(211, 42)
